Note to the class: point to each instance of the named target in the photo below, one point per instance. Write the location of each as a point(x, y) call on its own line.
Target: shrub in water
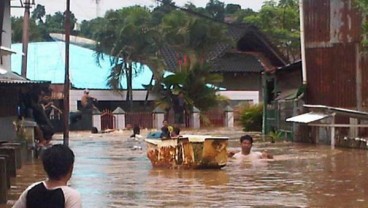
point(251, 118)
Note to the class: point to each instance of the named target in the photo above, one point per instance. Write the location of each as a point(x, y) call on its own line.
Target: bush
point(251, 118)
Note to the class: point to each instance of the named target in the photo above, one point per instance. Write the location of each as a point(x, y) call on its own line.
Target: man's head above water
point(246, 142)
point(246, 137)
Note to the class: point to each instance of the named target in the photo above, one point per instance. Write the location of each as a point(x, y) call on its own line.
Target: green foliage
point(132, 41)
point(251, 118)
point(302, 89)
point(362, 5)
point(17, 30)
point(275, 136)
point(39, 30)
point(38, 13)
point(216, 9)
point(192, 36)
point(232, 8)
point(194, 81)
point(281, 22)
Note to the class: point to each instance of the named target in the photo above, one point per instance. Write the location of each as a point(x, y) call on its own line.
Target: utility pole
point(97, 8)
point(25, 38)
point(66, 81)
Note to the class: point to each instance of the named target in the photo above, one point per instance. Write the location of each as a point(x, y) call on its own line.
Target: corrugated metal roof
point(237, 62)
point(13, 78)
point(340, 111)
point(5, 51)
point(46, 62)
point(308, 117)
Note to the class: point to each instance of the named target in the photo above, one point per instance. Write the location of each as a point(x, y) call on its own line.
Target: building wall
point(140, 96)
point(243, 82)
point(6, 36)
point(333, 53)
point(8, 112)
point(289, 80)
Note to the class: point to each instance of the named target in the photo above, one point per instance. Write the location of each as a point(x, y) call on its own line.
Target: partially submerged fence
point(119, 119)
point(276, 114)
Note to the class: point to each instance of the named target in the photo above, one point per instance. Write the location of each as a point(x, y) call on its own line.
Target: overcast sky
point(86, 9)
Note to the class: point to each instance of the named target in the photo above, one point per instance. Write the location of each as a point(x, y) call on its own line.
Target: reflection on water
point(110, 173)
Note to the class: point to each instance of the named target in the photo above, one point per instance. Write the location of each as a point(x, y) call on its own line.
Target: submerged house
point(12, 85)
point(335, 71)
point(241, 66)
point(284, 98)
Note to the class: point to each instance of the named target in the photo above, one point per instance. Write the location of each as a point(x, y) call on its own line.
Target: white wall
point(109, 95)
point(106, 95)
point(6, 38)
point(241, 95)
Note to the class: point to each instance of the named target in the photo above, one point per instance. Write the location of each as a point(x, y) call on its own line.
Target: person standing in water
point(87, 101)
point(58, 163)
point(246, 143)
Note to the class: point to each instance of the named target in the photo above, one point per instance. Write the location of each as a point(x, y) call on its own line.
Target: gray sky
point(86, 9)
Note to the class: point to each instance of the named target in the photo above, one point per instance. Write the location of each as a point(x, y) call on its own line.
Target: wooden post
point(3, 181)
point(10, 152)
point(18, 153)
point(66, 78)
point(7, 164)
point(25, 38)
point(333, 131)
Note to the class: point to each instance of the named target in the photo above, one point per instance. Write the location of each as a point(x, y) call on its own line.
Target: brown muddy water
point(110, 173)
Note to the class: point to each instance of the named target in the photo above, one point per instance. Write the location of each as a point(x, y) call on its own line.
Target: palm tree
point(192, 38)
point(130, 39)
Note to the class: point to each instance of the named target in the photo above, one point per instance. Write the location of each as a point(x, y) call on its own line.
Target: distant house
point(241, 66)
point(11, 84)
point(283, 99)
point(46, 62)
point(253, 55)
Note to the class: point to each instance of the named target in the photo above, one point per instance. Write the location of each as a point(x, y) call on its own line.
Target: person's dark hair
point(57, 161)
point(246, 137)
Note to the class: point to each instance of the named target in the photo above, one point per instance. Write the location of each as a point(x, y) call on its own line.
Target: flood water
point(110, 173)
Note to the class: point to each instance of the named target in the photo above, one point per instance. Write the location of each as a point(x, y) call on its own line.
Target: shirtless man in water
point(246, 143)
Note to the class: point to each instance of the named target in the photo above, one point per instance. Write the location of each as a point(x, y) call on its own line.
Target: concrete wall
point(109, 95)
point(7, 128)
point(106, 95)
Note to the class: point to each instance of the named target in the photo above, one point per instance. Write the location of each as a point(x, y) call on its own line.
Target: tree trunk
point(2, 9)
point(130, 87)
point(147, 94)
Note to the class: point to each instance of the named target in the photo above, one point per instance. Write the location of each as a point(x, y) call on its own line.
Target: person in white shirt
point(246, 152)
point(58, 162)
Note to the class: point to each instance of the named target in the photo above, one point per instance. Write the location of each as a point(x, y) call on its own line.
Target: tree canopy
point(136, 36)
point(281, 22)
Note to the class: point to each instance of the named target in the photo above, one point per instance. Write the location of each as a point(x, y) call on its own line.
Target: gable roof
point(46, 62)
point(248, 39)
point(237, 63)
